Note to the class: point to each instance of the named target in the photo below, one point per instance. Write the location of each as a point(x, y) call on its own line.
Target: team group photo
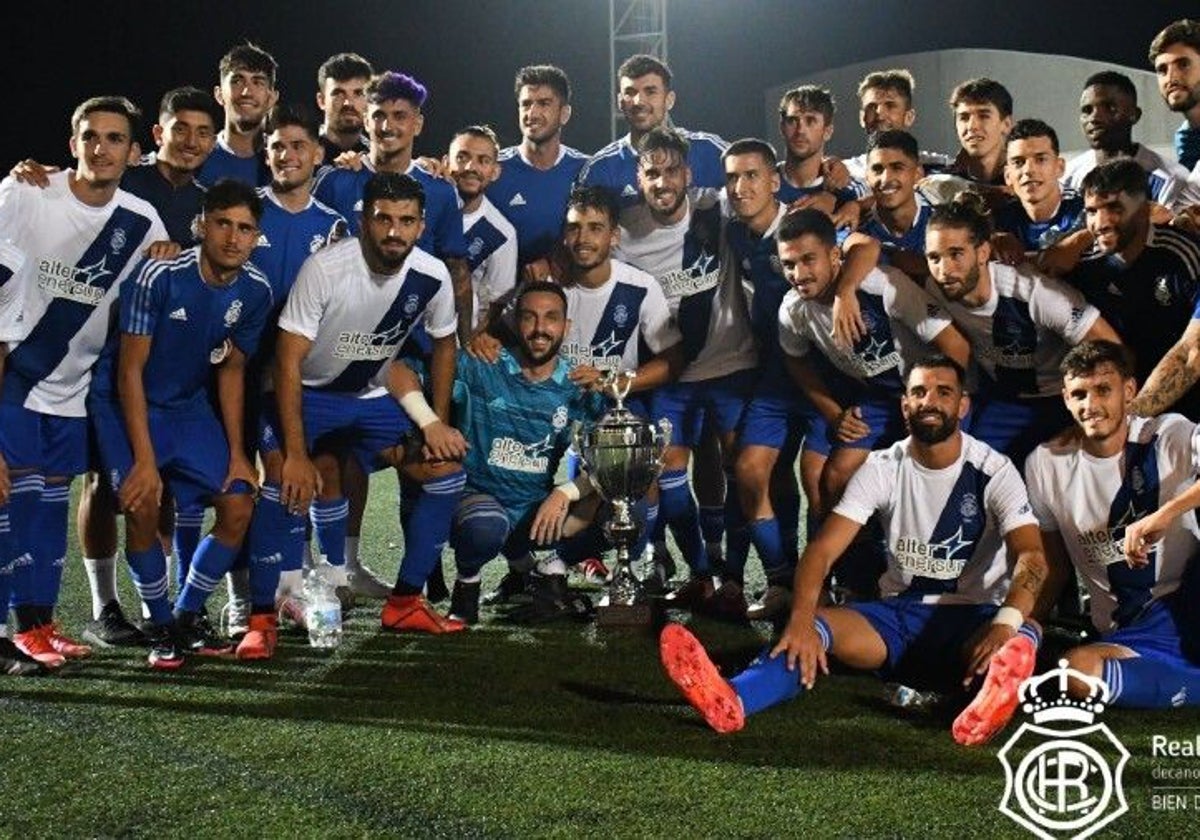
point(379, 457)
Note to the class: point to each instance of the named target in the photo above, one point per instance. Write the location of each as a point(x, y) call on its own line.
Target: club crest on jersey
point(559, 419)
point(317, 243)
point(776, 265)
point(233, 314)
point(118, 241)
point(1162, 291)
point(621, 315)
point(1137, 479)
point(969, 507)
point(411, 304)
point(475, 248)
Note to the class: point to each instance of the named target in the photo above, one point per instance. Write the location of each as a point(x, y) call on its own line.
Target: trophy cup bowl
point(623, 455)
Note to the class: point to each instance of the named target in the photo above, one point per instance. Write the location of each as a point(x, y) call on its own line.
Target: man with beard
point(536, 176)
point(246, 92)
point(1108, 111)
point(675, 235)
point(806, 125)
point(352, 307)
point(342, 96)
point(645, 98)
point(491, 240)
point(1145, 279)
point(516, 415)
point(1019, 323)
point(1175, 54)
point(959, 529)
point(1117, 502)
point(1042, 212)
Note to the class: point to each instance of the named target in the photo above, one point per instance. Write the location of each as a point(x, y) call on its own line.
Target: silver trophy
point(623, 455)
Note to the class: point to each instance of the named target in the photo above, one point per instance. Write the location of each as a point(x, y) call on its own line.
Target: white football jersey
point(1169, 183)
point(705, 297)
point(1021, 333)
point(902, 321)
point(607, 323)
point(1090, 500)
point(944, 528)
point(357, 320)
point(491, 255)
point(56, 307)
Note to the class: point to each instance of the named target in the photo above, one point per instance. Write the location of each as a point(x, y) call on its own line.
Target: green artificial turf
point(560, 731)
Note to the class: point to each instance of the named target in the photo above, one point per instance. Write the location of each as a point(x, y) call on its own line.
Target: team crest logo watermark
point(1063, 771)
point(620, 315)
point(411, 304)
point(118, 241)
point(1162, 291)
point(969, 508)
point(559, 418)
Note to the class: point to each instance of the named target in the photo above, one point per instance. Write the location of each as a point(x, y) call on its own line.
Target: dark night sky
point(724, 53)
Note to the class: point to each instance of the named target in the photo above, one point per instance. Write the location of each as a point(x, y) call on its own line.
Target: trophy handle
point(618, 388)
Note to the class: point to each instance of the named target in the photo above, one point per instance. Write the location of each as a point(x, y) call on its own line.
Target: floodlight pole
point(634, 26)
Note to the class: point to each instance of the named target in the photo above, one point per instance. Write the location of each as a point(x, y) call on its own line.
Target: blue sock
point(429, 527)
point(737, 532)
point(24, 499)
point(768, 682)
point(768, 541)
point(1031, 632)
point(149, 572)
point(477, 535)
point(787, 513)
point(330, 520)
point(49, 543)
point(275, 543)
point(188, 525)
point(1142, 683)
point(209, 564)
point(677, 508)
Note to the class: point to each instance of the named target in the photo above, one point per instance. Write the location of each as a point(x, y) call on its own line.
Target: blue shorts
point(778, 410)
point(689, 405)
point(362, 427)
point(923, 634)
point(1164, 632)
point(1016, 427)
point(51, 445)
point(880, 412)
point(190, 450)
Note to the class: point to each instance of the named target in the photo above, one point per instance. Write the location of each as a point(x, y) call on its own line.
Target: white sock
point(310, 559)
point(352, 554)
point(3, 631)
point(102, 580)
point(290, 582)
point(237, 581)
point(475, 578)
point(336, 575)
point(552, 565)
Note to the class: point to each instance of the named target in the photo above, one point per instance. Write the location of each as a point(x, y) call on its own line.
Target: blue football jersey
point(615, 166)
point(757, 259)
point(912, 240)
point(342, 190)
point(517, 429)
point(223, 163)
point(535, 200)
point(287, 239)
point(189, 321)
point(1037, 236)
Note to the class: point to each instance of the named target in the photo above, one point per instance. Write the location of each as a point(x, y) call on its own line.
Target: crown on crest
point(1046, 697)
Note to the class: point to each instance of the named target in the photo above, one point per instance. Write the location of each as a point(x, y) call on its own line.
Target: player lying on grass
point(959, 529)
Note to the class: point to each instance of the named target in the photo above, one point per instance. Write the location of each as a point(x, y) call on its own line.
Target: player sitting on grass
point(957, 522)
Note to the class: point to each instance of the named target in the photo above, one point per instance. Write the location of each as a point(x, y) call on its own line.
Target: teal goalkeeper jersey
point(517, 429)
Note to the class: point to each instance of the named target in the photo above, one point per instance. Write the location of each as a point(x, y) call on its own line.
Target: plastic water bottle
point(909, 699)
point(323, 611)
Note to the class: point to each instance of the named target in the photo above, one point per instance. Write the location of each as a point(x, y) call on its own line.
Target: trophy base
point(648, 615)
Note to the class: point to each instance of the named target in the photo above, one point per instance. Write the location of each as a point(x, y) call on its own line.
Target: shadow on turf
point(546, 685)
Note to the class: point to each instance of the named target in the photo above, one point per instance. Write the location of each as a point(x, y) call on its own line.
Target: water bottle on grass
point(323, 610)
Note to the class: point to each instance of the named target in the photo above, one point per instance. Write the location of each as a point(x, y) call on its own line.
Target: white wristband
point(418, 409)
point(1010, 617)
point(569, 490)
